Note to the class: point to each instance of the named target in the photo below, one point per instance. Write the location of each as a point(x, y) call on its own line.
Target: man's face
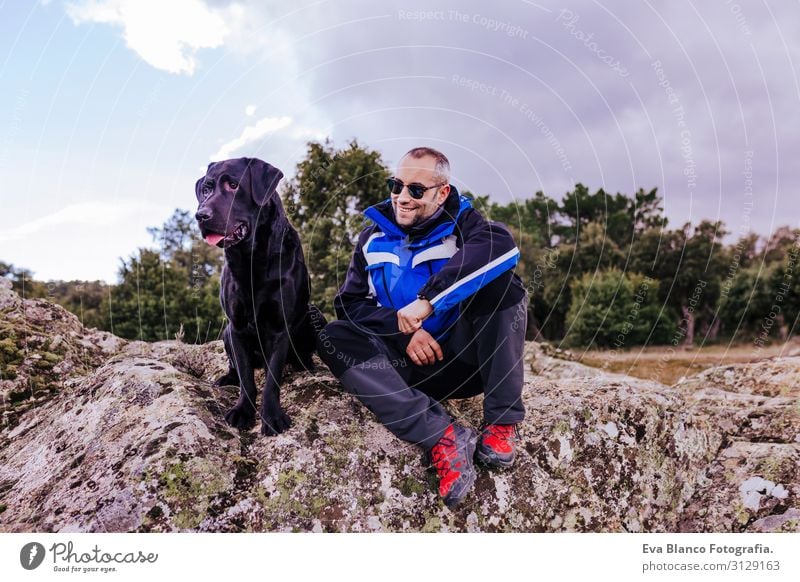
point(407, 210)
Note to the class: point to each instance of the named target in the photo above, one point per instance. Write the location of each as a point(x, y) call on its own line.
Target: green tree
point(184, 249)
point(580, 208)
point(779, 243)
point(178, 233)
point(690, 264)
point(22, 281)
point(325, 200)
point(618, 310)
point(534, 216)
point(83, 298)
point(594, 251)
point(784, 285)
point(170, 290)
point(153, 302)
point(745, 301)
point(646, 211)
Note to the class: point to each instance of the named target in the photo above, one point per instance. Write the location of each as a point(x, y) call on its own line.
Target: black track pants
point(482, 355)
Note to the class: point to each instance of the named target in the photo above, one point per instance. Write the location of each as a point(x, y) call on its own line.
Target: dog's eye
point(233, 185)
point(207, 187)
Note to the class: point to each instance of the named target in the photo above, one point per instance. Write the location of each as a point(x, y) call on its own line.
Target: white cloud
point(84, 214)
point(82, 241)
point(166, 34)
point(250, 110)
point(306, 134)
point(251, 133)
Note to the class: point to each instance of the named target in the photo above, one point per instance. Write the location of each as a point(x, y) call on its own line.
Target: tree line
point(602, 270)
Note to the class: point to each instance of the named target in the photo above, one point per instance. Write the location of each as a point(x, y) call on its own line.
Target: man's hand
point(410, 317)
point(423, 349)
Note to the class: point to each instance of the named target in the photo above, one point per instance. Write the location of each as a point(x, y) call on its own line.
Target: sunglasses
point(416, 191)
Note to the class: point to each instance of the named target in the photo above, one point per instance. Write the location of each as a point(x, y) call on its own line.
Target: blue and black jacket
point(446, 259)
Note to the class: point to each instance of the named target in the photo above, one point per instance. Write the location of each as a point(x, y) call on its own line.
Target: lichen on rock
point(131, 437)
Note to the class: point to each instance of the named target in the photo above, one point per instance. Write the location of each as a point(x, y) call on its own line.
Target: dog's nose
point(202, 215)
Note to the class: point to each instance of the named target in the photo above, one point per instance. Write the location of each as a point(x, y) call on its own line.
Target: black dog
point(264, 288)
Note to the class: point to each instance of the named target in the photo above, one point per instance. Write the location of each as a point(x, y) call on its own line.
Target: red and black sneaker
point(496, 447)
point(452, 458)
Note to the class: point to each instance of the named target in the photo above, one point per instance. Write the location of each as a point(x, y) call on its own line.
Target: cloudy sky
point(110, 109)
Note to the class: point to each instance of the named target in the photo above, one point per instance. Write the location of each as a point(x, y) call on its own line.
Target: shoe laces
point(502, 431)
point(444, 453)
point(499, 438)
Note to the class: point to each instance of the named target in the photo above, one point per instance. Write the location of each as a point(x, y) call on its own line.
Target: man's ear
point(263, 180)
point(444, 192)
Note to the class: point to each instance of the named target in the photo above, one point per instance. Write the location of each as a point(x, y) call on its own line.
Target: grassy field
point(668, 365)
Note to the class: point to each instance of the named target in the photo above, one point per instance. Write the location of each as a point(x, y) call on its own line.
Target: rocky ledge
point(116, 436)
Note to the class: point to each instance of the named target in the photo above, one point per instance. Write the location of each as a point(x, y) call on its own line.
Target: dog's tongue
point(213, 239)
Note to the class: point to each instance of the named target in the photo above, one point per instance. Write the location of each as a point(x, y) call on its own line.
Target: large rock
point(42, 344)
point(140, 444)
point(753, 483)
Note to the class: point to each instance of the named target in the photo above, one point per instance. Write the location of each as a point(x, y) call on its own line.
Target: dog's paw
point(229, 379)
point(240, 417)
point(308, 364)
point(275, 424)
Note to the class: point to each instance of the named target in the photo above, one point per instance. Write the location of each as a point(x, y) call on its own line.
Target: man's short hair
point(441, 170)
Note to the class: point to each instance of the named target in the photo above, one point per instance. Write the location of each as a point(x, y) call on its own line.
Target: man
point(431, 281)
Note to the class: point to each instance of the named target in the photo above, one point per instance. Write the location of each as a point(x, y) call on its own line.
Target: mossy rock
point(411, 486)
point(9, 352)
point(10, 372)
point(16, 396)
point(52, 357)
point(43, 365)
point(188, 488)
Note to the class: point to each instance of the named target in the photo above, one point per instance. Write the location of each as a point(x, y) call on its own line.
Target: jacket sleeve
point(354, 301)
point(487, 251)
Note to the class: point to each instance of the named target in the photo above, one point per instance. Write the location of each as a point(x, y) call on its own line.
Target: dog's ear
point(197, 186)
point(263, 180)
